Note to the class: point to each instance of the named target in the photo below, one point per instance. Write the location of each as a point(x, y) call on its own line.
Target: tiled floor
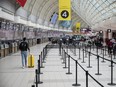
point(54, 75)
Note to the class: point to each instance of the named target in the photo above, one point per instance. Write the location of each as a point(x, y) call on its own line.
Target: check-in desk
point(6, 46)
point(30, 42)
point(34, 42)
point(15, 47)
point(2, 51)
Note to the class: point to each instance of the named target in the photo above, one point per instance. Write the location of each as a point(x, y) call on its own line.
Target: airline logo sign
point(64, 10)
point(78, 27)
point(21, 2)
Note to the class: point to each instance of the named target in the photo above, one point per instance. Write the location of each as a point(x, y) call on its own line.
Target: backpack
point(23, 46)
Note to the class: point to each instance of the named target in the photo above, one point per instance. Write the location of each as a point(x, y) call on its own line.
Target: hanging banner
point(78, 27)
point(64, 10)
point(21, 2)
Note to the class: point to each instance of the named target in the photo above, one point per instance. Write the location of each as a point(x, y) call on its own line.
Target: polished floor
point(54, 75)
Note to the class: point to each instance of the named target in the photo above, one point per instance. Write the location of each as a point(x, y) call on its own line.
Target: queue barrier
point(98, 66)
point(41, 60)
point(76, 75)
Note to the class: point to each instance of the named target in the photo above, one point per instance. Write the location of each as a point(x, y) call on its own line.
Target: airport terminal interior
point(57, 43)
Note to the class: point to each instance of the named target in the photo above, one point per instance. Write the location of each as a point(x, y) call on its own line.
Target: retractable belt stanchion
point(39, 68)
point(85, 51)
point(98, 66)
point(75, 50)
point(86, 78)
point(76, 80)
point(103, 56)
point(79, 54)
point(105, 50)
point(69, 65)
point(44, 55)
point(112, 84)
point(89, 66)
point(41, 61)
point(83, 57)
point(65, 60)
point(63, 57)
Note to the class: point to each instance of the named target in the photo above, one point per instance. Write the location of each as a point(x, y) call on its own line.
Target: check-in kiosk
point(6, 46)
point(2, 51)
point(15, 47)
point(34, 41)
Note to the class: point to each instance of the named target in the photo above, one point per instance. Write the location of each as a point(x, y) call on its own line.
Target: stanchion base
point(40, 82)
point(65, 67)
point(79, 58)
point(103, 61)
point(110, 66)
point(112, 84)
point(83, 62)
point(33, 86)
point(63, 62)
point(76, 84)
point(68, 73)
point(41, 73)
point(42, 67)
point(89, 66)
point(98, 74)
point(44, 62)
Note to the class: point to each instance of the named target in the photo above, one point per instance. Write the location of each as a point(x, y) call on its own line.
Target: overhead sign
point(78, 27)
point(21, 2)
point(64, 10)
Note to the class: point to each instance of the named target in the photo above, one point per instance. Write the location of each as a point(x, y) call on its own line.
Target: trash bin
point(2, 54)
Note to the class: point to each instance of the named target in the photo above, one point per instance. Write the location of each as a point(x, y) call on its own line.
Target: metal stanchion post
point(98, 66)
point(36, 76)
point(112, 84)
point(79, 53)
point(105, 50)
point(75, 51)
point(83, 57)
point(44, 55)
point(76, 84)
point(103, 56)
point(86, 78)
point(69, 65)
point(63, 57)
point(85, 51)
point(39, 68)
point(41, 61)
point(89, 66)
point(65, 60)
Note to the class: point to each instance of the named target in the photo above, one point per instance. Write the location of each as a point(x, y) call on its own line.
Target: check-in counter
point(10, 47)
point(30, 42)
point(2, 51)
point(34, 42)
point(15, 47)
point(6, 46)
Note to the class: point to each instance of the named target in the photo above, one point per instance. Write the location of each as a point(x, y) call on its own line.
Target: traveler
point(23, 48)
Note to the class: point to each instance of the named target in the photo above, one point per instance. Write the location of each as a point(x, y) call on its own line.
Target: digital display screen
point(66, 24)
point(54, 18)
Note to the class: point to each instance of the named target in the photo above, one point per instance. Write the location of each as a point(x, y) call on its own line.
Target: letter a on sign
point(64, 10)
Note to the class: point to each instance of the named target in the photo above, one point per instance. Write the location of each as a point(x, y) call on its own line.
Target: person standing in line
point(23, 46)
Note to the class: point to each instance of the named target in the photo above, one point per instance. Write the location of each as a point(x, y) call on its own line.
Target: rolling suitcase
point(30, 61)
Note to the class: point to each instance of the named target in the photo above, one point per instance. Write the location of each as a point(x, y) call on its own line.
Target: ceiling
point(87, 12)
